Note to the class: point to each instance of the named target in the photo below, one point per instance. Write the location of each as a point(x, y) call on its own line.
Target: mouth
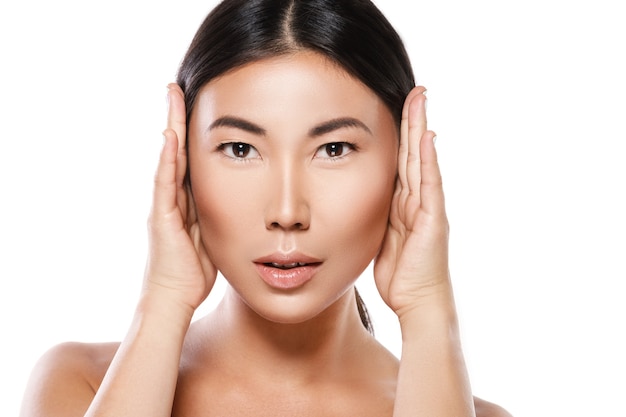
point(289, 265)
point(287, 272)
point(287, 261)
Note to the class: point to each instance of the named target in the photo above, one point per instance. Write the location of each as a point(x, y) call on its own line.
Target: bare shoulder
point(487, 409)
point(65, 379)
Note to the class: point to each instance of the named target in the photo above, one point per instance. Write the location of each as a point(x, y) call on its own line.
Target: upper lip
point(288, 260)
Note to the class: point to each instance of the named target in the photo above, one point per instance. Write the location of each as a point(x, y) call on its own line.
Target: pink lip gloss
point(286, 279)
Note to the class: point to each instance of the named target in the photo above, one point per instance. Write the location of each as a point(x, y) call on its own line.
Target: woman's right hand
point(178, 266)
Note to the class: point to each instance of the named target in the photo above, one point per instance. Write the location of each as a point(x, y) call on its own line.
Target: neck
point(322, 345)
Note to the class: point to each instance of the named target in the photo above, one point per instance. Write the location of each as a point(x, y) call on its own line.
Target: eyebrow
point(237, 123)
point(319, 130)
point(336, 124)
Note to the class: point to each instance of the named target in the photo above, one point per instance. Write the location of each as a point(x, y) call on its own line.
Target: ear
point(193, 228)
point(192, 218)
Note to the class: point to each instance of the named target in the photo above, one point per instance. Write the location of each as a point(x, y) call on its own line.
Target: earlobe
point(192, 217)
point(196, 238)
point(193, 228)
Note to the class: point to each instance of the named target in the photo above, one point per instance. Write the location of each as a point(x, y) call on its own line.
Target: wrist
point(165, 308)
point(433, 314)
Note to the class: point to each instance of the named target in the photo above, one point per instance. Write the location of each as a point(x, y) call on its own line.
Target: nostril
point(296, 226)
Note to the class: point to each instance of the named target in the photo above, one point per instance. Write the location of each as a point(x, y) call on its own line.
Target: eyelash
point(228, 150)
point(351, 148)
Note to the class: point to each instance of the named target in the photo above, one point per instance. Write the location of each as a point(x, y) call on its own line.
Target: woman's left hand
point(413, 262)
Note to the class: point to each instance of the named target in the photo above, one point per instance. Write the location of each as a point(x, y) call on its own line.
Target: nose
point(287, 206)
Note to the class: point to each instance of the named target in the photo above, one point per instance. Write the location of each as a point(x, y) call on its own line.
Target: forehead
point(304, 85)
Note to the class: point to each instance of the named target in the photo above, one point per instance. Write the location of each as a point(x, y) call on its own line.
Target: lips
point(286, 272)
point(286, 266)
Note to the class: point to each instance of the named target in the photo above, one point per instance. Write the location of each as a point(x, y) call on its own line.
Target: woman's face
point(292, 166)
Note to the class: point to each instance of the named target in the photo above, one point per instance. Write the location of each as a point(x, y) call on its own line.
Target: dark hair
point(352, 33)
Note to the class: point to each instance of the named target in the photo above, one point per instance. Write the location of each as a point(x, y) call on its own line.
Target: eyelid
point(226, 149)
point(352, 147)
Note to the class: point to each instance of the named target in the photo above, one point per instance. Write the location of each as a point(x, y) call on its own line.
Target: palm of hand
point(413, 260)
point(178, 263)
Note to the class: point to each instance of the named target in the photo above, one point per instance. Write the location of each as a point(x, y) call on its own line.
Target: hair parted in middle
point(352, 33)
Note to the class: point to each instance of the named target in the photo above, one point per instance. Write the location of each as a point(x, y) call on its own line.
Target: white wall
point(527, 98)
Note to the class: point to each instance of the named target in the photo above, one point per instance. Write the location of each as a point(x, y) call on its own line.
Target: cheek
point(358, 209)
point(224, 206)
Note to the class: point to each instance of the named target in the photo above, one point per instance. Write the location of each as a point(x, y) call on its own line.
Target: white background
point(527, 99)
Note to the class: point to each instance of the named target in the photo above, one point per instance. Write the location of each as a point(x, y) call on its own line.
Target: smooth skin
point(266, 351)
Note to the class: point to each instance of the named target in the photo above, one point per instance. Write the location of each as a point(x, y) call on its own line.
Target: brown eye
point(334, 149)
point(240, 150)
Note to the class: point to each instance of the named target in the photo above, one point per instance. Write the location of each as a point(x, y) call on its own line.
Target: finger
point(177, 121)
point(403, 150)
point(164, 197)
point(432, 197)
point(417, 127)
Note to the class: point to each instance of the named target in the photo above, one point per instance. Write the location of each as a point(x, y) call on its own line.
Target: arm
point(141, 379)
point(412, 276)
point(432, 380)
point(58, 385)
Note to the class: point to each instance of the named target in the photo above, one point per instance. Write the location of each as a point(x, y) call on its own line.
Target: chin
point(284, 309)
point(292, 308)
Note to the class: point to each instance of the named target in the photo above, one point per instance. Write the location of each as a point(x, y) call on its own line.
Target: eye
point(334, 150)
point(239, 150)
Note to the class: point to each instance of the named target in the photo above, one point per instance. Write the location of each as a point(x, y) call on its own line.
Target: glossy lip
point(286, 278)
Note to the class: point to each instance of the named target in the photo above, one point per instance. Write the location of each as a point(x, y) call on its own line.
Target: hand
point(178, 265)
point(413, 261)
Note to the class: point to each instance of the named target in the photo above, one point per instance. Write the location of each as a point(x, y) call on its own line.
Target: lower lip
point(286, 279)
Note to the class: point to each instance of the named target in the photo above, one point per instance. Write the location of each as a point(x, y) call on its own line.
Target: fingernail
point(434, 140)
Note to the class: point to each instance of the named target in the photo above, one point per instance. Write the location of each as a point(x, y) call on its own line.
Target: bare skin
point(70, 374)
point(263, 139)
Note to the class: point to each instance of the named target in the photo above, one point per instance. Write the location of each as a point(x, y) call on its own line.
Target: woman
point(296, 152)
